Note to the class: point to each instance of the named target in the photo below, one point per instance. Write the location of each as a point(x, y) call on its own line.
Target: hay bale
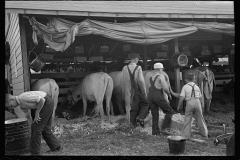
point(177, 121)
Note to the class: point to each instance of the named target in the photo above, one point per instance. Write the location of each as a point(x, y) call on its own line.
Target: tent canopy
point(59, 33)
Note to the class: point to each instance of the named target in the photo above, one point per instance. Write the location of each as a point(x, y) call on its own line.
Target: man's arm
point(164, 83)
point(177, 95)
point(39, 108)
point(141, 81)
point(179, 108)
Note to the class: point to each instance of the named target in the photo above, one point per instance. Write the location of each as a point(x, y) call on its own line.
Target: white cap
point(158, 65)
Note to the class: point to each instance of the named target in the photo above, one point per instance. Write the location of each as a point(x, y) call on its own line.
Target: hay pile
point(88, 125)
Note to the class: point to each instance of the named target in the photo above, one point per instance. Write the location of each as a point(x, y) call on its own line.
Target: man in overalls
point(157, 99)
point(192, 94)
point(135, 92)
point(42, 124)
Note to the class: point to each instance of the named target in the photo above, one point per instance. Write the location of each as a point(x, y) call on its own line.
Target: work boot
point(58, 149)
point(140, 122)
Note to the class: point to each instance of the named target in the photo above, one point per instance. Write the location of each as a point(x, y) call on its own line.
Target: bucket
point(17, 137)
point(176, 144)
point(38, 63)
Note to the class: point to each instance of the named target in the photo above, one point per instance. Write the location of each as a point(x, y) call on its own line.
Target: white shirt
point(30, 99)
point(138, 77)
point(187, 91)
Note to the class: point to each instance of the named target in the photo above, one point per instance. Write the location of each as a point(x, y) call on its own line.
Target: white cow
point(118, 91)
point(93, 87)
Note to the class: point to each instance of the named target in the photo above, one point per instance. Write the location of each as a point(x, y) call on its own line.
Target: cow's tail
point(214, 81)
point(97, 108)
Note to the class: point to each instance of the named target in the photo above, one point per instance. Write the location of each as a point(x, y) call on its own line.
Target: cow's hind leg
point(207, 105)
point(99, 109)
point(128, 106)
point(55, 106)
point(109, 104)
point(84, 99)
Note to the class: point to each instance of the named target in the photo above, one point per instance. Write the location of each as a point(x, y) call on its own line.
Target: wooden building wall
point(16, 63)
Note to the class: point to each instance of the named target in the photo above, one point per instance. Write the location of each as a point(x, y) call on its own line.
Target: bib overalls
point(193, 107)
point(140, 106)
point(156, 100)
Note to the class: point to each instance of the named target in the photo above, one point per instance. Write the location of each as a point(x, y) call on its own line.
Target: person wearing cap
point(135, 92)
point(192, 95)
point(159, 87)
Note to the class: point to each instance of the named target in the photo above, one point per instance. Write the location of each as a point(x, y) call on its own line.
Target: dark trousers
point(139, 107)
point(43, 128)
point(166, 108)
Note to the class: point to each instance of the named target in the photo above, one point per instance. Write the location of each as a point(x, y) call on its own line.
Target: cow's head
point(72, 99)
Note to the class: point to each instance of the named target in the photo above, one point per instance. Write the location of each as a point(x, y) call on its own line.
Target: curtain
point(59, 34)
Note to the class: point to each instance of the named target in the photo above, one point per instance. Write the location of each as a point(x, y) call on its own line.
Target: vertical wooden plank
point(24, 55)
point(177, 72)
point(145, 57)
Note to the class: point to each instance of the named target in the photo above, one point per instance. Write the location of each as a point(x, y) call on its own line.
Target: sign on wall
point(104, 49)
point(97, 58)
point(126, 47)
point(80, 59)
point(161, 54)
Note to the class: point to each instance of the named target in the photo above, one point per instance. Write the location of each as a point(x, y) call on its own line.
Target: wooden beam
point(113, 47)
point(145, 57)
point(91, 48)
point(111, 14)
point(177, 72)
point(25, 61)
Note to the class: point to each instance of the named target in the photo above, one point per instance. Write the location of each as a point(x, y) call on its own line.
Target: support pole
point(25, 61)
point(145, 58)
point(177, 73)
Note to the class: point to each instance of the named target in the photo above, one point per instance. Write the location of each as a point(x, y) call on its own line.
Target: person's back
point(134, 91)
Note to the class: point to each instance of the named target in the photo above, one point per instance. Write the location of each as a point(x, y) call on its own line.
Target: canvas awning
point(59, 34)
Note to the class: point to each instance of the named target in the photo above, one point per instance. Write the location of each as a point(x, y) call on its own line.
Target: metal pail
point(38, 63)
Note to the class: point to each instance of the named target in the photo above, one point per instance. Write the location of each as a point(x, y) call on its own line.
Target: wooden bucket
point(17, 137)
point(38, 63)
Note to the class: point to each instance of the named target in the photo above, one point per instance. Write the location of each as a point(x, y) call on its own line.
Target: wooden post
point(145, 58)
point(25, 60)
point(177, 72)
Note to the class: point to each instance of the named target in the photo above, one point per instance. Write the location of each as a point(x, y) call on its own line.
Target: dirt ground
point(81, 136)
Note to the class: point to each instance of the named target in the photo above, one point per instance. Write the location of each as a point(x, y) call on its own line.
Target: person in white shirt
point(191, 94)
point(42, 124)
